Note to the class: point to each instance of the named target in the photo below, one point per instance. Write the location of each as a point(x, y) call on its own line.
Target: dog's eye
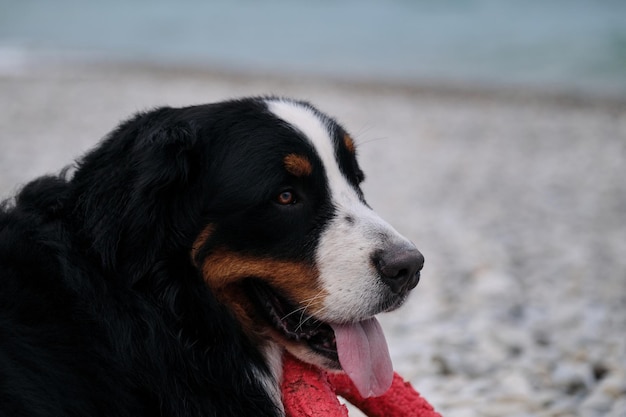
point(286, 197)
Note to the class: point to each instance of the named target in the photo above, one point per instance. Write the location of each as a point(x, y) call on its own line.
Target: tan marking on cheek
point(347, 140)
point(200, 240)
point(224, 271)
point(297, 165)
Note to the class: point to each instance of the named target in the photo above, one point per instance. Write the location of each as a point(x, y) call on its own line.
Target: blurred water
point(572, 44)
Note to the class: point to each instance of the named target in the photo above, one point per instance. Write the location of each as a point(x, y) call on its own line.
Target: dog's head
point(296, 251)
point(277, 225)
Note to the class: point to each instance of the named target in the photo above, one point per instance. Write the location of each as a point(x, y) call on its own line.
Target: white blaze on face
point(346, 246)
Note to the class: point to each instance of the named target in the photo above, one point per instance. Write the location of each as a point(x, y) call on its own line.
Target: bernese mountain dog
point(170, 270)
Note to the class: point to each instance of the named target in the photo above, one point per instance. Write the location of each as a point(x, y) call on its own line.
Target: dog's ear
point(135, 193)
point(166, 157)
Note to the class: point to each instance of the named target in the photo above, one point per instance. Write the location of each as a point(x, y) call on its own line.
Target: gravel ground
point(518, 202)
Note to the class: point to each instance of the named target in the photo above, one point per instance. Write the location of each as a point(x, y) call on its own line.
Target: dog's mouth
point(294, 324)
point(359, 348)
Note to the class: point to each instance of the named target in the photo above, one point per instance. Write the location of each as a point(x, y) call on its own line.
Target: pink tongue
point(364, 356)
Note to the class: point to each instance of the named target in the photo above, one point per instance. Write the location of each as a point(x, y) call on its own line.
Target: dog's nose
point(399, 267)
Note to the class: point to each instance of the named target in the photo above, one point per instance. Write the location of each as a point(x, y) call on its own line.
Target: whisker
point(301, 309)
point(302, 318)
point(367, 141)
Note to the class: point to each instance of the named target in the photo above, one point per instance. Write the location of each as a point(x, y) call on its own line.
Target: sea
point(576, 45)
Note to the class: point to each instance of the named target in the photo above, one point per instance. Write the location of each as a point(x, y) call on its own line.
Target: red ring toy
point(309, 391)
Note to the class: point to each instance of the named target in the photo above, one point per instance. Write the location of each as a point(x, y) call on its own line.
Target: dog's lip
point(292, 322)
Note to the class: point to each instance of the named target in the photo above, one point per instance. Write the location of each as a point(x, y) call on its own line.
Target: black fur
point(102, 311)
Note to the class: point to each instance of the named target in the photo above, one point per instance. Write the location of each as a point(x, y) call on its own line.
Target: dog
point(169, 272)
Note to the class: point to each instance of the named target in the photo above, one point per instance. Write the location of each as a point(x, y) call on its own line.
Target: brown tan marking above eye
point(298, 165)
point(347, 140)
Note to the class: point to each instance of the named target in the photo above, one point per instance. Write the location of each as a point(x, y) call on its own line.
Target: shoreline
point(466, 89)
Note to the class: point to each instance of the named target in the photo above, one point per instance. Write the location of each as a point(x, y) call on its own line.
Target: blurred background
point(492, 134)
point(566, 44)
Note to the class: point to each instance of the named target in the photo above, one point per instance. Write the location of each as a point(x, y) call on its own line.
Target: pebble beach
point(517, 199)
